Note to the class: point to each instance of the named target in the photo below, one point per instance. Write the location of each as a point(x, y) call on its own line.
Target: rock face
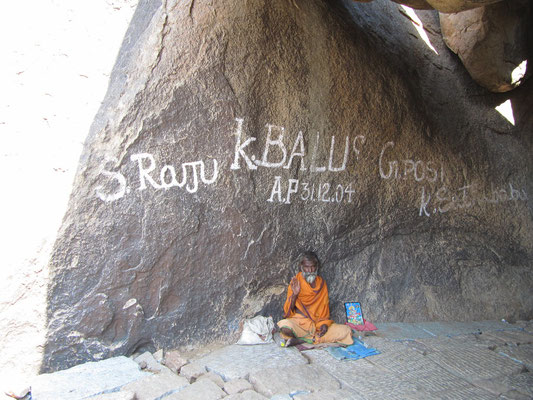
point(455, 6)
point(416, 4)
point(233, 137)
point(493, 42)
point(445, 6)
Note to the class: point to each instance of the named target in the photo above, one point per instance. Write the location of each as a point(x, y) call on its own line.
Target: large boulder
point(416, 4)
point(234, 135)
point(455, 6)
point(493, 42)
point(445, 6)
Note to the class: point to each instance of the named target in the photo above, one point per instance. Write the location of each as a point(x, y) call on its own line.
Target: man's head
point(309, 266)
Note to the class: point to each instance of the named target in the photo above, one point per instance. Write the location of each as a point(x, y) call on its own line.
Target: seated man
point(307, 309)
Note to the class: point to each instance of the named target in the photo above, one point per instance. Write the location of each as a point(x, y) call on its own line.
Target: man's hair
point(311, 256)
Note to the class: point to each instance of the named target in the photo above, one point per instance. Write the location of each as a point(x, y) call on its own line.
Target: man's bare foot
point(293, 342)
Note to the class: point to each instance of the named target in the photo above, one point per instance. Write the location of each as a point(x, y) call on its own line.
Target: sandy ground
point(57, 56)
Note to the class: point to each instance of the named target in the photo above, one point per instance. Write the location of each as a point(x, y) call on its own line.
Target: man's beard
point(310, 277)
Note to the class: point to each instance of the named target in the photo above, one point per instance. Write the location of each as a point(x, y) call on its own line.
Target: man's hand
point(295, 286)
point(322, 330)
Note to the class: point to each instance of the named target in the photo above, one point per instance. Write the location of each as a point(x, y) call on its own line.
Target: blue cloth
point(354, 352)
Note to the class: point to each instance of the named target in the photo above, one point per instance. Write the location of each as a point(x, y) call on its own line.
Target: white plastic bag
point(257, 330)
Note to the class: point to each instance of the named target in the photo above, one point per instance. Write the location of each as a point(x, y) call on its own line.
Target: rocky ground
point(452, 360)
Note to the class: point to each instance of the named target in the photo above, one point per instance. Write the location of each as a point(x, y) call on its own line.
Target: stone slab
point(522, 383)
point(448, 328)
point(485, 341)
point(525, 325)
point(522, 354)
point(401, 331)
point(246, 395)
point(415, 367)
point(402, 359)
point(86, 380)
point(515, 337)
point(366, 379)
point(384, 344)
point(343, 394)
point(425, 330)
point(379, 385)
point(494, 325)
point(336, 368)
point(157, 386)
point(470, 340)
point(472, 363)
point(418, 346)
point(297, 379)
point(426, 375)
point(433, 380)
point(122, 395)
point(237, 386)
point(213, 377)
point(518, 346)
point(234, 362)
point(459, 393)
point(174, 361)
point(192, 371)
point(496, 386)
point(204, 389)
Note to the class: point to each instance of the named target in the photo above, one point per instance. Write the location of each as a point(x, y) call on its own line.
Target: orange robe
point(312, 303)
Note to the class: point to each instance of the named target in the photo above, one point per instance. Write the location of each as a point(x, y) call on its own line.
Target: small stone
point(151, 363)
point(19, 393)
point(204, 389)
point(174, 361)
point(192, 371)
point(142, 364)
point(158, 355)
point(237, 386)
point(214, 377)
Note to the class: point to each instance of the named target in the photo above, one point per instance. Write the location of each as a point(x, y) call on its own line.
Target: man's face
point(309, 270)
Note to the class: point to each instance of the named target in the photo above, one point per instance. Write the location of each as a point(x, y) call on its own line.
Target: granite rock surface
point(493, 42)
point(235, 136)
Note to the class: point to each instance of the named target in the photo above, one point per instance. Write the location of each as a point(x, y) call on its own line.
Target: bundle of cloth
point(366, 327)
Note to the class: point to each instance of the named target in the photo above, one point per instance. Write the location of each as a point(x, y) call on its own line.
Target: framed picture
point(354, 313)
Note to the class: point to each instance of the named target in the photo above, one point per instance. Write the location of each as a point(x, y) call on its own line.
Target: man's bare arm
point(295, 286)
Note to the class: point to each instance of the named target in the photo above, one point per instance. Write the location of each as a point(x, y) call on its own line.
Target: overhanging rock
point(236, 135)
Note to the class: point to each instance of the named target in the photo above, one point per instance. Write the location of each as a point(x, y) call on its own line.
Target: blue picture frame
point(354, 313)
